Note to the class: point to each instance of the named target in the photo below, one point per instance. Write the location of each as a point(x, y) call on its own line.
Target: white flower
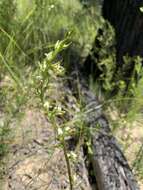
point(46, 105)
point(60, 131)
point(52, 6)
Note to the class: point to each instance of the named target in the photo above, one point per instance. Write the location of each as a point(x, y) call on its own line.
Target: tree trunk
point(127, 19)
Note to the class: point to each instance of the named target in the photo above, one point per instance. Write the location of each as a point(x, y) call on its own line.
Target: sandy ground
point(130, 136)
point(35, 163)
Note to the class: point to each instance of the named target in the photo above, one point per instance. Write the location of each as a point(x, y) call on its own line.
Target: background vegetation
point(31, 29)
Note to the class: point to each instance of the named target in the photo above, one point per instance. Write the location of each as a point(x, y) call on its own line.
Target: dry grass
point(129, 135)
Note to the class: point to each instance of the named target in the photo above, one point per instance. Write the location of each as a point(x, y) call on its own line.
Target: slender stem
point(68, 164)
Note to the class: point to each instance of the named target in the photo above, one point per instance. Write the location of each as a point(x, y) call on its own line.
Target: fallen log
point(109, 163)
point(111, 169)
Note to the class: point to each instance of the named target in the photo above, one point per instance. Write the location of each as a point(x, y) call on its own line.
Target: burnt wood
point(111, 169)
point(127, 19)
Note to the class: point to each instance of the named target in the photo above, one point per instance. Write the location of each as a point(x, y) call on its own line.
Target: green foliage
point(12, 99)
point(4, 140)
point(48, 71)
point(7, 20)
point(135, 111)
point(103, 57)
point(119, 86)
point(138, 163)
point(28, 30)
point(112, 79)
point(48, 21)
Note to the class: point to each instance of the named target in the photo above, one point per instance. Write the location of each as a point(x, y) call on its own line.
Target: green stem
point(68, 164)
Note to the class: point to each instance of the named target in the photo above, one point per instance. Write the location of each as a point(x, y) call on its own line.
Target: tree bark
point(111, 169)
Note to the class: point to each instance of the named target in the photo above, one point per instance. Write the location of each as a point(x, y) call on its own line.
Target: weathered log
point(111, 168)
